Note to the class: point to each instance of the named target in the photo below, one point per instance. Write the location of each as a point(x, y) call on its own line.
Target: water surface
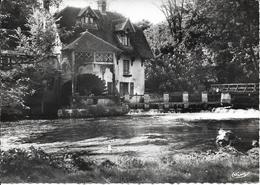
point(144, 135)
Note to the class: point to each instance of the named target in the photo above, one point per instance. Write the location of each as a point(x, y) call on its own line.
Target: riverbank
point(35, 166)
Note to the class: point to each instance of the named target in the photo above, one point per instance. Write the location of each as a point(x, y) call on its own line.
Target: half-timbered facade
point(109, 47)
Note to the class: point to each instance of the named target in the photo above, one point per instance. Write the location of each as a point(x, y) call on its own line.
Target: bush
point(35, 165)
point(27, 166)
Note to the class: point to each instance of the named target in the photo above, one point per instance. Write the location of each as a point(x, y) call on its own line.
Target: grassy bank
point(34, 165)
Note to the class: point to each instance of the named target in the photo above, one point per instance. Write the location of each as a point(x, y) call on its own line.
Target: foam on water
point(216, 114)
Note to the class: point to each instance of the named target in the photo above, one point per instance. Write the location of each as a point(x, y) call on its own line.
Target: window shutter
point(121, 88)
point(132, 88)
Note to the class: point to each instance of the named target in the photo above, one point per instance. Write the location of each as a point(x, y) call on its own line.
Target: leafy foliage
point(14, 86)
point(42, 38)
point(175, 67)
point(144, 24)
point(231, 32)
point(34, 164)
point(32, 31)
point(203, 42)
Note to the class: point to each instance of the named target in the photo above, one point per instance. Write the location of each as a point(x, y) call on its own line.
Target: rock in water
point(225, 137)
point(255, 143)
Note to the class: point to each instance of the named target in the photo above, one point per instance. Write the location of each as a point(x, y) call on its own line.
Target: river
point(147, 135)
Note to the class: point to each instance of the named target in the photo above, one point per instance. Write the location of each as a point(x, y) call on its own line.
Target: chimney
point(102, 6)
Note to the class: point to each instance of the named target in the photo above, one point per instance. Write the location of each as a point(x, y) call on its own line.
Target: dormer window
point(124, 39)
point(88, 22)
point(87, 18)
point(123, 30)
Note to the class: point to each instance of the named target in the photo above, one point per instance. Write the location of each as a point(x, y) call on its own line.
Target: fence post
point(60, 113)
point(204, 97)
point(146, 101)
point(185, 99)
point(166, 100)
point(225, 98)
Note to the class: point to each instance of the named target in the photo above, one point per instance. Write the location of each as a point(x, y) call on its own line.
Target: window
point(126, 67)
point(89, 20)
point(123, 88)
point(82, 20)
point(124, 39)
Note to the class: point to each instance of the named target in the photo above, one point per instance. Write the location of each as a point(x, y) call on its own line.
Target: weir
point(217, 96)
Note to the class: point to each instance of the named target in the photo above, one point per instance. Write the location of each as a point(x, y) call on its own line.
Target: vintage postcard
point(129, 91)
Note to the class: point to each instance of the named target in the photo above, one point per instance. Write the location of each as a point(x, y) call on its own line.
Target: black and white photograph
point(129, 91)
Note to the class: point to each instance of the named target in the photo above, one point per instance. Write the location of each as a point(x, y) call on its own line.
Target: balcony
point(103, 58)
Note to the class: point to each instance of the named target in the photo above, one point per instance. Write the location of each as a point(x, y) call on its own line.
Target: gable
point(109, 24)
point(89, 42)
point(87, 12)
point(125, 26)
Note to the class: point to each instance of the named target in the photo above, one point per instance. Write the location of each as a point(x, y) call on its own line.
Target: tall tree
point(205, 41)
point(35, 36)
point(15, 14)
point(42, 35)
point(231, 33)
point(178, 65)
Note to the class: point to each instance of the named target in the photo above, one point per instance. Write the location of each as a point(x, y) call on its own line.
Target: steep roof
point(88, 41)
point(124, 26)
point(87, 10)
point(107, 24)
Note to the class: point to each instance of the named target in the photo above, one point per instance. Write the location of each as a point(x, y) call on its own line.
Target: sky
point(136, 10)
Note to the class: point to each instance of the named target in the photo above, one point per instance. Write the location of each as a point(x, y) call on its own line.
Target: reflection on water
point(141, 135)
